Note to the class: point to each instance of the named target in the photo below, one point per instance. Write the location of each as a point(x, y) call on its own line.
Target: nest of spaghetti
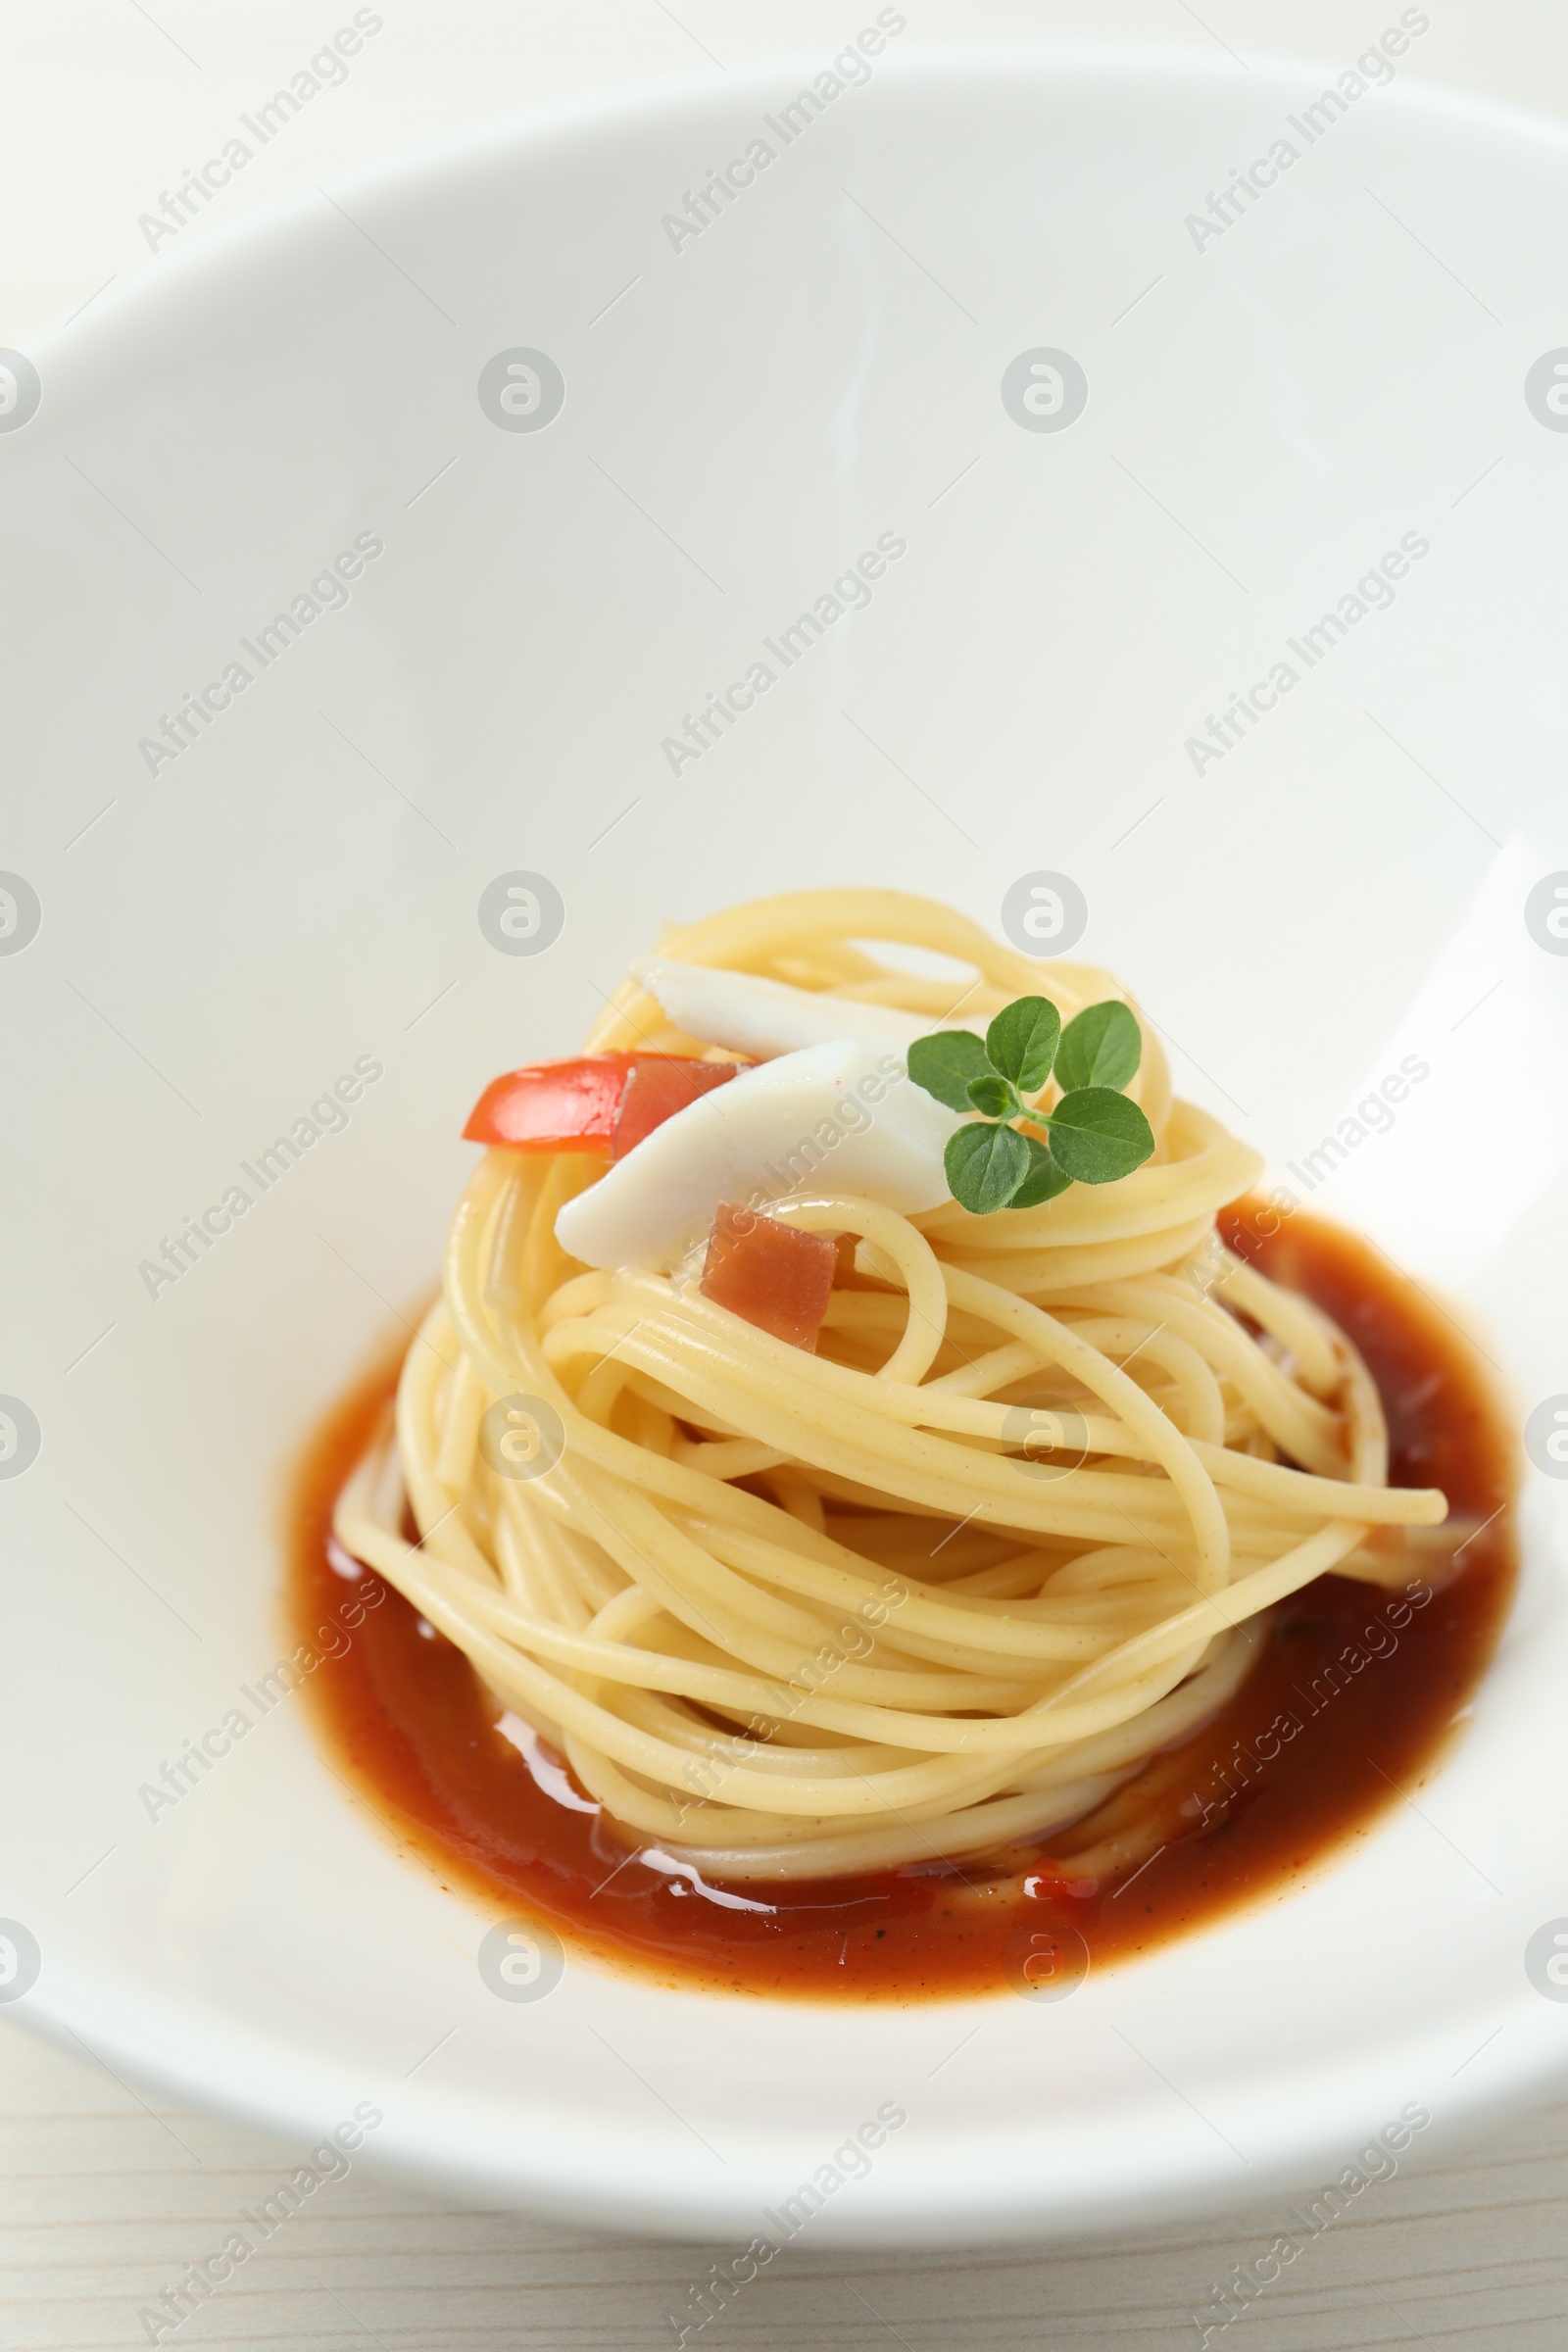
point(936, 1591)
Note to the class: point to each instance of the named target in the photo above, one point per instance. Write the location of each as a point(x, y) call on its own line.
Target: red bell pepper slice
point(597, 1102)
point(553, 1106)
point(659, 1085)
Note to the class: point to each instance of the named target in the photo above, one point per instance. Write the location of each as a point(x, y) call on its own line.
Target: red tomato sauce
point(1371, 1680)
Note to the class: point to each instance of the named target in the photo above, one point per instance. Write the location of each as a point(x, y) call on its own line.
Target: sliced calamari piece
point(749, 1015)
point(839, 1118)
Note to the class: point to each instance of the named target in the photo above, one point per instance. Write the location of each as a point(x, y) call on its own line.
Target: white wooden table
point(110, 2194)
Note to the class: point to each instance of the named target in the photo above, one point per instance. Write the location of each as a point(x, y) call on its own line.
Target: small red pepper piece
point(659, 1085)
point(553, 1106)
point(769, 1273)
point(597, 1102)
point(1051, 1880)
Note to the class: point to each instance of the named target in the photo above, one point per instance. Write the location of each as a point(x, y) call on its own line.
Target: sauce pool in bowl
point(1353, 1699)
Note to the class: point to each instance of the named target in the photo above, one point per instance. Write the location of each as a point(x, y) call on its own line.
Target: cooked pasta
point(936, 1589)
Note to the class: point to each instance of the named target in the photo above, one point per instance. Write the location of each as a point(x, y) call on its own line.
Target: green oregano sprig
point(1096, 1135)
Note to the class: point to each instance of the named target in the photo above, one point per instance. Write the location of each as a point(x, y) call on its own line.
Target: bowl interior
point(443, 628)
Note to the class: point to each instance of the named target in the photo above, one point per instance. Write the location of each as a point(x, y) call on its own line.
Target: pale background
point(108, 2195)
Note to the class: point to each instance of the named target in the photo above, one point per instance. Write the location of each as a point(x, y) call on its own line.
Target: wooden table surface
point(109, 2193)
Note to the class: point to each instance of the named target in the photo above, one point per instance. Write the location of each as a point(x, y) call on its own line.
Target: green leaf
point(995, 1097)
point(1102, 1047)
point(985, 1166)
point(1022, 1041)
point(1096, 1135)
point(1045, 1179)
point(944, 1064)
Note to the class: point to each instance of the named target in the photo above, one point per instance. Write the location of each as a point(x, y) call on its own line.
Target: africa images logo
point(20, 390)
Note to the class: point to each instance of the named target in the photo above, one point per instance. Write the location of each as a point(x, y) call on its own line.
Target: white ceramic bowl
point(1269, 410)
